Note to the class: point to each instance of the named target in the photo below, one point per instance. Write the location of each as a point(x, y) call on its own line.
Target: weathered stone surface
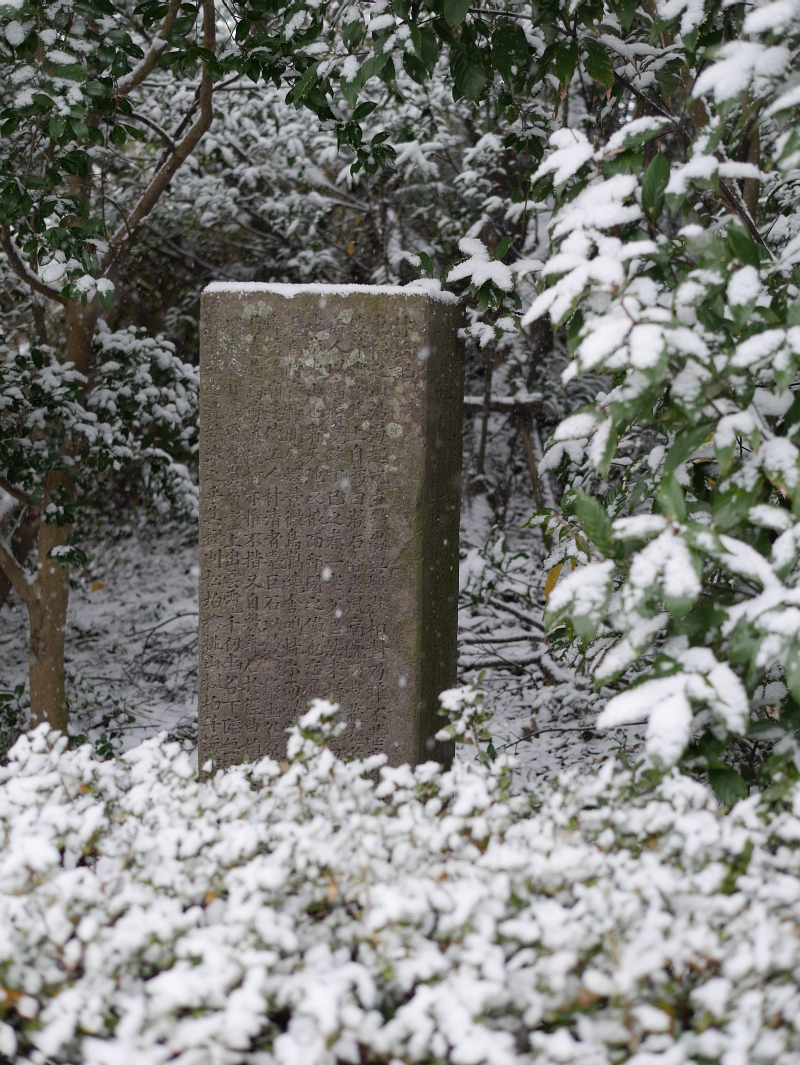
point(330, 459)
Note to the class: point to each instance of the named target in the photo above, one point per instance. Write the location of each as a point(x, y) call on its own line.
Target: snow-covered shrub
point(674, 271)
point(300, 914)
point(139, 414)
point(149, 398)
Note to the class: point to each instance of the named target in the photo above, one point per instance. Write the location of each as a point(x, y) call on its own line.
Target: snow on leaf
point(480, 267)
point(572, 151)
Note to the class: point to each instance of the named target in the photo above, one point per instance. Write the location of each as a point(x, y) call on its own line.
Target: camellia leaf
point(686, 443)
point(728, 785)
point(670, 498)
point(469, 79)
point(455, 11)
point(502, 247)
point(510, 51)
point(595, 522)
point(428, 48)
point(415, 69)
point(597, 64)
point(746, 250)
point(363, 110)
point(566, 59)
point(72, 72)
point(655, 182)
point(625, 10)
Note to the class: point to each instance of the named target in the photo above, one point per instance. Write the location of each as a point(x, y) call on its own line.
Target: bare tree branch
point(145, 66)
point(23, 271)
point(22, 540)
point(15, 493)
point(15, 573)
point(156, 129)
point(734, 202)
point(126, 235)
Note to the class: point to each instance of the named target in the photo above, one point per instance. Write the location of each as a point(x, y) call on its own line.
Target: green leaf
point(746, 250)
point(426, 264)
point(415, 69)
point(686, 443)
point(76, 163)
point(135, 133)
point(56, 127)
point(353, 33)
point(15, 203)
point(428, 48)
point(118, 136)
point(363, 110)
point(594, 521)
point(625, 10)
point(731, 508)
point(655, 182)
point(727, 785)
point(304, 85)
point(604, 462)
point(502, 247)
point(597, 64)
point(510, 51)
point(793, 670)
point(106, 298)
point(566, 59)
point(670, 499)
point(469, 79)
point(374, 65)
point(455, 11)
point(69, 555)
point(72, 72)
point(641, 490)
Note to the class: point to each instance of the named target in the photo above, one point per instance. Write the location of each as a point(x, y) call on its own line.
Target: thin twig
point(521, 615)
point(500, 639)
point(156, 129)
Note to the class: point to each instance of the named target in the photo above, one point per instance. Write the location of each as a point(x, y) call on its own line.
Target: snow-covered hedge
point(298, 913)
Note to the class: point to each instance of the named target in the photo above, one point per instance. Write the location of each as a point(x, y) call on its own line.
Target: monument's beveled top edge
point(429, 289)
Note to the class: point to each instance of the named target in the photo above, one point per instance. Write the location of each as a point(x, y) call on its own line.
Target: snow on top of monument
point(423, 286)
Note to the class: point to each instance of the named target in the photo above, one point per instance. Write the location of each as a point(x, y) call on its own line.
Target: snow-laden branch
point(146, 65)
point(127, 234)
point(23, 271)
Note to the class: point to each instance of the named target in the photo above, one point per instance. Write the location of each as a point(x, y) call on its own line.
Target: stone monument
point(330, 483)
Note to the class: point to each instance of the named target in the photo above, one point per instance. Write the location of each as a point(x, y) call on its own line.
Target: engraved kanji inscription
point(330, 457)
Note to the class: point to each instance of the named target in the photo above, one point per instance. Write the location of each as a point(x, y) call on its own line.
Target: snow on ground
point(131, 642)
point(544, 714)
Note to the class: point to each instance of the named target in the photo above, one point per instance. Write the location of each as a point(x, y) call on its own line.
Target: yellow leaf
point(552, 578)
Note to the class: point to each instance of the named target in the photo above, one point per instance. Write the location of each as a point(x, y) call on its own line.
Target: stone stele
point(330, 482)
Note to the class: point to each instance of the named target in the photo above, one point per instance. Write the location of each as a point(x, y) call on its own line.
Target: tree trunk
point(47, 614)
point(49, 593)
point(81, 324)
